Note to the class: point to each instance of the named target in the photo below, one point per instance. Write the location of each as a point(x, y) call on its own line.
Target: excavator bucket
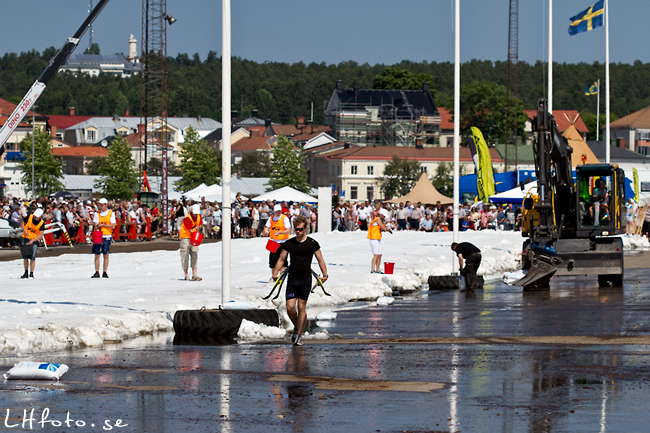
point(540, 272)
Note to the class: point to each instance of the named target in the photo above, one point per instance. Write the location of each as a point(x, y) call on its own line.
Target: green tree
point(444, 178)
point(95, 165)
point(400, 176)
point(120, 178)
point(482, 104)
point(287, 167)
point(154, 167)
point(48, 169)
point(254, 164)
point(92, 49)
point(396, 78)
point(199, 163)
point(590, 123)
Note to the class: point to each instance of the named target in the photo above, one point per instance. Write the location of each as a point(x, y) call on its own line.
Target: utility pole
point(512, 86)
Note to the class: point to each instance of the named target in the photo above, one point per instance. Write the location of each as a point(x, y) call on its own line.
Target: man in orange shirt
point(33, 230)
point(103, 220)
point(191, 223)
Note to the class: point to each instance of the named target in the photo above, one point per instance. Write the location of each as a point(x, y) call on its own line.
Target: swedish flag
point(588, 19)
point(592, 89)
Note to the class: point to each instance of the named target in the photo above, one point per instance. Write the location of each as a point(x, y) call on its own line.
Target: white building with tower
point(116, 64)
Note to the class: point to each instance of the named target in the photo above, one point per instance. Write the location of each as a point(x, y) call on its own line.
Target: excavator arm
point(546, 214)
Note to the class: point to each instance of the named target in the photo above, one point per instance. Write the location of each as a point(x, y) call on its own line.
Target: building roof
point(638, 119)
point(524, 152)
point(65, 121)
point(561, 119)
point(253, 143)
point(616, 154)
point(398, 103)
point(386, 153)
point(446, 119)
point(80, 151)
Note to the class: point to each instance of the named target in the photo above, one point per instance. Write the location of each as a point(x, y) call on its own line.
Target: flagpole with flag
point(594, 89)
point(595, 16)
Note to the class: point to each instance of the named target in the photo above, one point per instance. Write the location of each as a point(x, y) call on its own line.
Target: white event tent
point(514, 195)
point(286, 193)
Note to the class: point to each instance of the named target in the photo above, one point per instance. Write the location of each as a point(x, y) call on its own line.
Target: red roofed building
point(563, 118)
point(76, 158)
point(355, 171)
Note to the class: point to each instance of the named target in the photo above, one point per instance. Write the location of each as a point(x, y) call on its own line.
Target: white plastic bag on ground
point(36, 371)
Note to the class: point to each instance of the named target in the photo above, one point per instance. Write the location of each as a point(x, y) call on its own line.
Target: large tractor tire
point(448, 282)
point(223, 323)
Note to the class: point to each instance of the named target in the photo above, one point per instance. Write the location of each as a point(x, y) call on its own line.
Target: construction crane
point(39, 85)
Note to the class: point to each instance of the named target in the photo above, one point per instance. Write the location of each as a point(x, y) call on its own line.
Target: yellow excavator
point(572, 226)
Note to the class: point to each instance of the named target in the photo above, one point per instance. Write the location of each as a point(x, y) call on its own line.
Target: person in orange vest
point(191, 223)
point(103, 220)
point(374, 234)
point(278, 228)
point(33, 230)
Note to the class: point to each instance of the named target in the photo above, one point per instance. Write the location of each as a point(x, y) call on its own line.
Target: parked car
point(9, 231)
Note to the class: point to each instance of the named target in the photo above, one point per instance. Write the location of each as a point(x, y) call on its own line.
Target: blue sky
point(366, 31)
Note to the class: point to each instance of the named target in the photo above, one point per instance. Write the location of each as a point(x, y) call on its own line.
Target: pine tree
point(400, 176)
point(120, 178)
point(287, 167)
point(199, 163)
point(48, 169)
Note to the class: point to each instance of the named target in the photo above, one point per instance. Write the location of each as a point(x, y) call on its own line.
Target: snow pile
point(385, 300)
point(251, 331)
point(635, 242)
point(326, 316)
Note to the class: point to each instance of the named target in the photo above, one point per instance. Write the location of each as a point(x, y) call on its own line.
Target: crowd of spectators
point(248, 218)
point(347, 216)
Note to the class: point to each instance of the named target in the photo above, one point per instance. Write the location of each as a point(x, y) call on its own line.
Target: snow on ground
point(64, 308)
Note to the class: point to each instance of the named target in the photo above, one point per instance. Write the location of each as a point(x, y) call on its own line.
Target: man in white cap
point(278, 228)
point(33, 230)
point(191, 223)
point(103, 220)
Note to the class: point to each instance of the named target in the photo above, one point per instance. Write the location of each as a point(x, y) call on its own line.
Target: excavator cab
point(601, 199)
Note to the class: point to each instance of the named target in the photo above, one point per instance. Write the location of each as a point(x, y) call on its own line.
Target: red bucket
point(196, 238)
point(388, 267)
point(98, 237)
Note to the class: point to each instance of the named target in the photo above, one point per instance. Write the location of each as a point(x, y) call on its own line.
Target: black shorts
point(244, 222)
point(298, 288)
point(273, 258)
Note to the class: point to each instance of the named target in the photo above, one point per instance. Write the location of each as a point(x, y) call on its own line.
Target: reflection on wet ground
point(410, 366)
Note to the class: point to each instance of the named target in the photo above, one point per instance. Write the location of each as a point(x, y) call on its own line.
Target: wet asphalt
point(574, 358)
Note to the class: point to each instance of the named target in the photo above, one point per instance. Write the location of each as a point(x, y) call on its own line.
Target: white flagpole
point(456, 122)
point(607, 139)
point(225, 151)
point(598, 109)
point(550, 56)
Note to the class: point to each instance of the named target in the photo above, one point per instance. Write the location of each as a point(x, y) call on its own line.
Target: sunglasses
point(299, 229)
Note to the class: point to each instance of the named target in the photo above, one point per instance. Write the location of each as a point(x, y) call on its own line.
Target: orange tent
point(580, 147)
point(423, 192)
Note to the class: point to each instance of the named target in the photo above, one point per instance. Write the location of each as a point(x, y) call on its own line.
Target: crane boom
point(39, 85)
